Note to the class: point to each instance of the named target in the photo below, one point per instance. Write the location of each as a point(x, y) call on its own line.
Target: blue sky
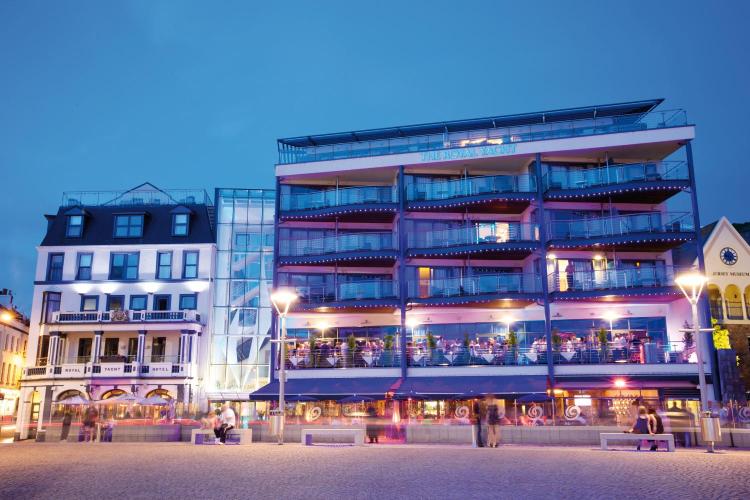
point(106, 95)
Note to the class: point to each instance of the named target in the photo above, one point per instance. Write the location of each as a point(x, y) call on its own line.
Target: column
point(402, 285)
point(96, 349)
point(52, 349)
point(186, 343)
point(542, 220)
point(140, 352)
point(275, 284)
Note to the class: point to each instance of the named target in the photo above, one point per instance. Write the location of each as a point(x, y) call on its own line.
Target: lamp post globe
point(282, 301)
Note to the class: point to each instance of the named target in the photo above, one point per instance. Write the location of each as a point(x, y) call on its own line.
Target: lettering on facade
point(730, 273)
point(475, 152)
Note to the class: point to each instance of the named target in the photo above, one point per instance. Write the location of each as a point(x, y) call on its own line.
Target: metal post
point(699, 349)
point(402, 285)
point(282, 376)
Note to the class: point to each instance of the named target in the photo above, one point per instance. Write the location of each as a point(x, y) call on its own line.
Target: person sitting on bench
point(227, 422)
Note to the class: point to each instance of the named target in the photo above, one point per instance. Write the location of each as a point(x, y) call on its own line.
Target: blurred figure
point(228, 421)
point(67, 419)
point(493, 422)
point(371, 429)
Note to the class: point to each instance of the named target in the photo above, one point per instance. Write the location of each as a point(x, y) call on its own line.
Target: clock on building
point(728, 256)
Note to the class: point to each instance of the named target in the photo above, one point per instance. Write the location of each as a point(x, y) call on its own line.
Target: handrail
point(574, 177)
point(337, 197)
point(490, 137)
point(123, 316)
point(359, 290)
point(441, 189)
point(639, 277)
point(647, 222)
point(348, 242)
point(504, 232)
point(475, 285)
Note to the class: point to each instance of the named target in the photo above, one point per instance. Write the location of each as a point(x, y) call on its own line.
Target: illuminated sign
point(467, 153)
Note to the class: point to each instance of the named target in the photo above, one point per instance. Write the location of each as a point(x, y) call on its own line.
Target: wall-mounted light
point(108, 287)
point(150, 287)
point(82, 288)
point(197, 286)
point(620, 383)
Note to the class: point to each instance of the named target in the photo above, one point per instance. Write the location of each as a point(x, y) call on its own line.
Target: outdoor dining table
point(295, 360)
point(450, 357)
point(368, 358)
point(532, 356)
point(488, 357)
point(568, 355)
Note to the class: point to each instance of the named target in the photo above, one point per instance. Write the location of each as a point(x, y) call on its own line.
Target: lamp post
point(692, 285)
point(282, 301)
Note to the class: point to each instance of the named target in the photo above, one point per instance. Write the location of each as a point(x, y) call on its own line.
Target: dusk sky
point(107, 95)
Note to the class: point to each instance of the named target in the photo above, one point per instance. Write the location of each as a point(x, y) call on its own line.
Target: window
point(128, 226)
point(84, 266)
point(124, 266)
point(111, 346)
point(189, 301)
point(89, 303)
point(158, 349)
point(132, 348)
point(138, 302)
point(50, 304)
point(190, 265)
point(84, 349)
point(55, 266)
point(75, 226)
point(180, 224)
point(162, 302)
point(164, 265)
point(115, 302)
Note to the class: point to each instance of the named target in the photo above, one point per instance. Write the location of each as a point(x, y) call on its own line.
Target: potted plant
point(387, 355)
point(313, 351)
point(512, 347)
point(556, 339)
point(603, 339)
point(431, 344)
point(351, 343)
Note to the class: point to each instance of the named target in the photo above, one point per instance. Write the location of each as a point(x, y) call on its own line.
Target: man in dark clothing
point(67, 419)
point(657, 426)
point(478, 423)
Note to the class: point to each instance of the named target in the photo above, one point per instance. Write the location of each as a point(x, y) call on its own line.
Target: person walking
point(371, 428)
point(67, 419)
point(657, 426)
point(478, 423)
point(493, 422)
point(641, 425)
point(228, 421)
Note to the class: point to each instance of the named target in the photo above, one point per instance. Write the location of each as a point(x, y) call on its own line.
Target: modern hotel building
point(512, 255)
point(121, 303)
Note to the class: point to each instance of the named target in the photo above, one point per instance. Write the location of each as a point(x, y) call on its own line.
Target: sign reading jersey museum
point(473, 152)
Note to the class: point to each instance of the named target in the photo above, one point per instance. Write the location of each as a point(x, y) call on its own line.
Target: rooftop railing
point(475, 235)
point(330, 198)
point(484, 284)
point(491, 137)
point(644, 276)
point(136, 198)
point(352, 242)
point(581, 178)
point(442, 189)
point(650, 222)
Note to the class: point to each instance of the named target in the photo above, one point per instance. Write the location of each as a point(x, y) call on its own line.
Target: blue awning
point(455, 386)
point(329, 388)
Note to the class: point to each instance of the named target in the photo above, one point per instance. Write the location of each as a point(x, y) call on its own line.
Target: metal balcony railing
point(485, 284)
point(490, 137)
point(137, 197)
point(500, 232)
point(352, 242)
point(621, 225)
point(333, 357)
point(360, 290)
point(124, 316)
point(331, 198)
point(443, 189)
point(580, 178)
point(644, 276)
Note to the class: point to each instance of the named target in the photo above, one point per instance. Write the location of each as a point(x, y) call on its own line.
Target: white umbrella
point(122, 398)
point(75, 400)
point(155, 401)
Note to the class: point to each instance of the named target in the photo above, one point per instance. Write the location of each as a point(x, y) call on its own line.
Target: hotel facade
point(511, 255)
point(121, 303)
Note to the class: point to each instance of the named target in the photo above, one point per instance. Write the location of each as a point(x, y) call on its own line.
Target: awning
point(329, 388)
point(454, 386)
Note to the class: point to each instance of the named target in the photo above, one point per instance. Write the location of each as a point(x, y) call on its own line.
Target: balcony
point(650, 182)
point(82, 367)
point(323, 358)
point(379, 201)
point(647, 282)
point(652, 231)
point(473, 193)
point(485, 134)
point(375, 248)
point(125, 317)
point(509, 240)
point(375, 293)
point(475, 289)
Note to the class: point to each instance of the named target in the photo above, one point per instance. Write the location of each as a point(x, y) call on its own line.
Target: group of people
point(489, 412)
point(648, 421)
point(221, 422)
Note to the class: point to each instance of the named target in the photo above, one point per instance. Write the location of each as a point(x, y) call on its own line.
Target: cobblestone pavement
point(176, 470)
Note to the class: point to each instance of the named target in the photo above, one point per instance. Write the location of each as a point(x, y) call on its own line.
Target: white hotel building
point(121, 299)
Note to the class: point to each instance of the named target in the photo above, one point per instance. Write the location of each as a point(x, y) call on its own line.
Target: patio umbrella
point(356, 399)
point(75, 400)
point(299, 398)
point(122, 398)
point(155, 401)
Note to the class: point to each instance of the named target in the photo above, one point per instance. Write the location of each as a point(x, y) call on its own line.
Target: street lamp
point(692, 285)
point(282, 300)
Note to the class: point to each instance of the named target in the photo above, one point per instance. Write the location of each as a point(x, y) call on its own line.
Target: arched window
point(747, 298)
point(714, 300)
point(733, 297)
point(70, 394)
point(163, 393)
point(112, 393)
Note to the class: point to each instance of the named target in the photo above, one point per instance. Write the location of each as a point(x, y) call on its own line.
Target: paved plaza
point(175, 470)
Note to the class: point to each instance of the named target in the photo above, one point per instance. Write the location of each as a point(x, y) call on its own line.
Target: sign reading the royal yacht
point(464, 153)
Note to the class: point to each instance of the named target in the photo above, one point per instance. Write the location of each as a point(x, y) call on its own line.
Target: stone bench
point(357, 434)
point(605, 437)
point(235, 436)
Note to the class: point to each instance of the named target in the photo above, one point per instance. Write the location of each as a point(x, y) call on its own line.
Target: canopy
point(122, 398)
point(357, 399)
point(75, 400)
point(155, 401)
point(451, 387)
point(329, 388)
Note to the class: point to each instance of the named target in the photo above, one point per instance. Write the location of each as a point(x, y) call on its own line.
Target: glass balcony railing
point(360, 290)
point(354, 242)
point(494, 233)
point(470, 186)
point(300, 358)
point(485, 284)
point(498, 137)
point(611, 279)
point(651, 222)
point(136, 197)
point(581, 178)
point(341, 197)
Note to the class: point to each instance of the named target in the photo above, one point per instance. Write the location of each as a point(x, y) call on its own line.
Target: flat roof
point(558, 115)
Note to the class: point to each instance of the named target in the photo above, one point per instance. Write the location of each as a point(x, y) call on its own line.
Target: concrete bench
point(235, 436)
point(605, 437)
point(357, 434)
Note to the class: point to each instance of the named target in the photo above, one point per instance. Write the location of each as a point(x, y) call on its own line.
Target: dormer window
point(180, 224)
point(75, 226)
point(128, 226)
